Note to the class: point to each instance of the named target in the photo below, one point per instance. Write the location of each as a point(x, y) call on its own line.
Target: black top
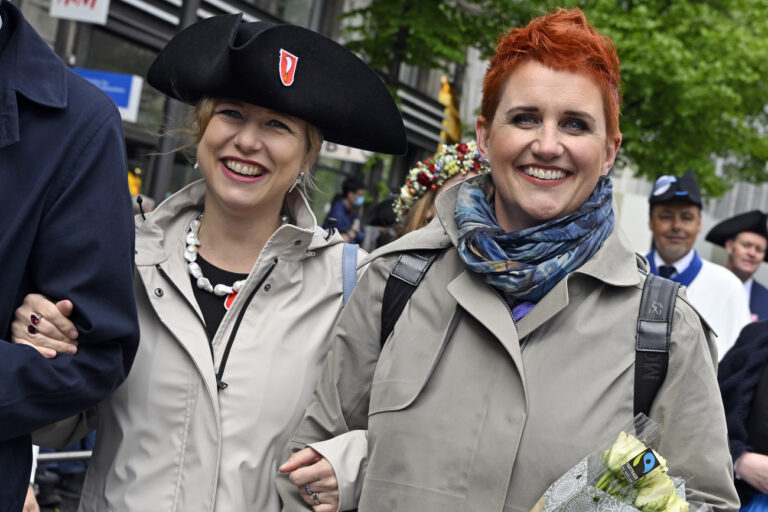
point(5, 30)
point(212, 306)
point(758, 417)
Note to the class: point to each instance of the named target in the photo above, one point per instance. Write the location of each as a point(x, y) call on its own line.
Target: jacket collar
point(615, 263)
point(163, 231)
point(29, 68)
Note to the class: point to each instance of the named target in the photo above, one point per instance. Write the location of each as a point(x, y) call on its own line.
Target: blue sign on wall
point(125, 90)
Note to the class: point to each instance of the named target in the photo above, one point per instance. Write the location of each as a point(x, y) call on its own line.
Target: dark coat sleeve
point(738, 375)
point(758, 303)
point(83, 251)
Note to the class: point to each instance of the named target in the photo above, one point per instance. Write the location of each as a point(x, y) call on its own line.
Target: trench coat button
point(159, 292)
point(267, 287)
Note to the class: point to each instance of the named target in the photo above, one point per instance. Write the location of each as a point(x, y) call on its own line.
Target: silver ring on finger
point(315, 498)
point(35, 318)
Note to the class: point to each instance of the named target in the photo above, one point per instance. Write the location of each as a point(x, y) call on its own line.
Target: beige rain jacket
point(168, 439)
point(467, 411)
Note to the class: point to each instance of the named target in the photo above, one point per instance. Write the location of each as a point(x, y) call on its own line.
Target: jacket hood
point(164, 228)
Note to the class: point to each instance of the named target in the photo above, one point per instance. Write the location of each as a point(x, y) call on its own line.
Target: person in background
point(379, 224)
point(675, 222)
point(67, 231)
point(745, 237)
point(515, 355)
point(237, 286)
point(344, 209)
point(415, 205)
point(743, 379)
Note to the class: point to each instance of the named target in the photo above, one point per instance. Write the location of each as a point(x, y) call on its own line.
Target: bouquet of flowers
point(627, 476)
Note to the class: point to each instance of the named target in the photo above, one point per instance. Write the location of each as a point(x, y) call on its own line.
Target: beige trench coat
point(168, 439)
point(467, 411)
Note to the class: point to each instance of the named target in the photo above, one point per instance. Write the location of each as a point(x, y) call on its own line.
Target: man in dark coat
point(743, 379)
point(745, 237)
point(67, 231)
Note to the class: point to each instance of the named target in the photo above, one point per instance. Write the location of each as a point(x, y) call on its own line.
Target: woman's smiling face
point(547, 144)
point(250, 156)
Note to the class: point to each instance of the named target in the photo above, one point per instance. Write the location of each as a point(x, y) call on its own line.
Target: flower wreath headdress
point(436, 170)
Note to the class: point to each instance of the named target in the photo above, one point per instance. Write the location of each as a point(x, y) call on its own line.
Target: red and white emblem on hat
point(288, 62)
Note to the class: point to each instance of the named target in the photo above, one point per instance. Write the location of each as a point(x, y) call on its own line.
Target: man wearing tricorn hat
point(675, 221)
point(745, 237)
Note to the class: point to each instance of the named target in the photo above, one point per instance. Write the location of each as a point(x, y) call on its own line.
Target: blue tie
point(666, 271)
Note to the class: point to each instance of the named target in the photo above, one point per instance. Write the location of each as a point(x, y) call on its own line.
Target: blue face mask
point(359, 201)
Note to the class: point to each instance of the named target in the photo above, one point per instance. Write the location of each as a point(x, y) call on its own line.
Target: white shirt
point(718, 296)
point(748, 287)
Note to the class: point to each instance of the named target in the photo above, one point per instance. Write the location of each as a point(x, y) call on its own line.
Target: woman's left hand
point(312, 474)
point(30, 502)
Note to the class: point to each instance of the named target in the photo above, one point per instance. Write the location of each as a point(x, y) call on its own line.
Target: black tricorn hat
point(668, 189)
point(285, 68)
point(754, 221)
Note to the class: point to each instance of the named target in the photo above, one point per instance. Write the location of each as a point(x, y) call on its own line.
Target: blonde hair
point(416, 218)
point(203, 111)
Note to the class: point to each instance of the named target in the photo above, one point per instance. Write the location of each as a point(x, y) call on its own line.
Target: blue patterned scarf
point(526, 264)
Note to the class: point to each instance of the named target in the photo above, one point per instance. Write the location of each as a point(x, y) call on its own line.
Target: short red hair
point(562, 40)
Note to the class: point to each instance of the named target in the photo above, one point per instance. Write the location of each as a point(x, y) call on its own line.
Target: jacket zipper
point(219, 382)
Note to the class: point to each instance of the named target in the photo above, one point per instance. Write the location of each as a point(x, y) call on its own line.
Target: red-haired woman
point(515, 356)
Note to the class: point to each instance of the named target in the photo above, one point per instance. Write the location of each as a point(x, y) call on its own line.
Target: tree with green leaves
point(694, 72)
point(695, 86)
point(425, 33)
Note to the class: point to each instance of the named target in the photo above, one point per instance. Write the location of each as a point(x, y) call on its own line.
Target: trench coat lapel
point(475, 296)
point(551, 304)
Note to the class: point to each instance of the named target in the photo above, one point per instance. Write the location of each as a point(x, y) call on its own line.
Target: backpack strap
point(654, 326)
point(349, 270)
point(401, 283)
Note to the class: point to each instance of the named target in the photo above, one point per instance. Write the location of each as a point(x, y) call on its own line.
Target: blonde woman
point(237, 286)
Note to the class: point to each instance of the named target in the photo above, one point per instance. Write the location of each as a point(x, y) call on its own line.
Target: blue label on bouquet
point(640, 466)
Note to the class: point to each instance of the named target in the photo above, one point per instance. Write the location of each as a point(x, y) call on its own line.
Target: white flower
point(622, 450)
point(655, 491)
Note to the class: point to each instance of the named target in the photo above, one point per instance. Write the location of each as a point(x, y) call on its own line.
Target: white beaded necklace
point(190, 254)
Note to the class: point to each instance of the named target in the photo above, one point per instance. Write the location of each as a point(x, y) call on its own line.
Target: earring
point(298, 181)
point(197, 165)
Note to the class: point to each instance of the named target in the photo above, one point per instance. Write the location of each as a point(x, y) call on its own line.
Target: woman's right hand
point(55, 332)
point(753, 467)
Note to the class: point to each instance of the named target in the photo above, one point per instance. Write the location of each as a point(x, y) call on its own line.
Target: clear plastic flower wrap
point(627, 475)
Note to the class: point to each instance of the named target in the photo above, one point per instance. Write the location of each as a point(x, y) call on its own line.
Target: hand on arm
point(753, 469)
point(55, 332)
point(309, 471)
